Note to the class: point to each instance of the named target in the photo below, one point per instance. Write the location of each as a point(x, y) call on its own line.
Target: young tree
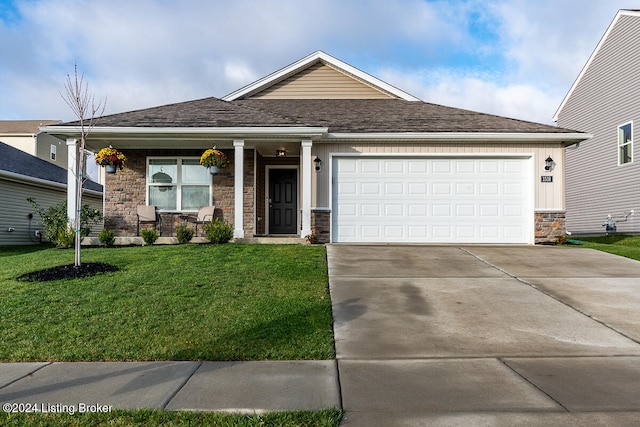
point(86, 110)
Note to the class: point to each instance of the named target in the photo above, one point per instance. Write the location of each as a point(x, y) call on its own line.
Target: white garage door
point(432, 200)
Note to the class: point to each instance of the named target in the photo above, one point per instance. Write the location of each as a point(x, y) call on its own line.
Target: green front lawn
point(186, 302)
point(618, 244)
point(117, 418)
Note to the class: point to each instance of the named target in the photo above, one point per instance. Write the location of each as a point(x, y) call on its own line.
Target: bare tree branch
point(81, 102)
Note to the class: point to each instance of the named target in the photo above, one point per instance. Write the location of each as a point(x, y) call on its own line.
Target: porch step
point(138, 241)
point(270, 240)
point(130, 241)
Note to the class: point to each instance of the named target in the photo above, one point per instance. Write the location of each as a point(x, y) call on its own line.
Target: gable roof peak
point(308, 61)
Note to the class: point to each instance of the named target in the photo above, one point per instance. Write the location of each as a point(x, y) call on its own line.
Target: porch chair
point(148, 214)
point(205, 214)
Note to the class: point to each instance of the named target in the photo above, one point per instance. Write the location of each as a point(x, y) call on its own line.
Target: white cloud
point(510, 57)
point(478, 93)
point(239, 73)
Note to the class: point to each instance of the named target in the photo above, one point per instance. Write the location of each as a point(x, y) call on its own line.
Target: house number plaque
point(544, 178)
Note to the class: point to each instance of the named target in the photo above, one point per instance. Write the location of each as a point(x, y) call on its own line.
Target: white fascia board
point(592, 57)
point(570, 138)
point(301, 131)
point(305, 62)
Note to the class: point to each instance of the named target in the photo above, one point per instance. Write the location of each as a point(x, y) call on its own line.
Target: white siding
point(15, 210)
point(607, 95)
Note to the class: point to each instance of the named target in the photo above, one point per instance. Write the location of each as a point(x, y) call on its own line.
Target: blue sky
point(516, 58)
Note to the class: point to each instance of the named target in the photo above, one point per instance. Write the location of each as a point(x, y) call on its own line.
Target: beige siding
point(320, 82)
point(15, 210)
point(44, 150)
point(607, 96)
point(22, 143)
point(549, 196)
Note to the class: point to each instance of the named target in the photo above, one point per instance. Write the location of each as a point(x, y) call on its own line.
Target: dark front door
point(283, 201)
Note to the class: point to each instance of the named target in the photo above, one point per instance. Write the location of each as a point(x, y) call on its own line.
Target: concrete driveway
point(486, 335)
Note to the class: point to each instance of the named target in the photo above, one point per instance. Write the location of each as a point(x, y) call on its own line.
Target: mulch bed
point(68, 272)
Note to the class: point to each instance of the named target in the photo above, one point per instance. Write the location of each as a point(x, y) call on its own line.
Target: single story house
point(321, 147)
point(24, 176)
point(603, 174)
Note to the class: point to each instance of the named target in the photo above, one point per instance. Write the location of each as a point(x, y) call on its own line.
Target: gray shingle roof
point(338, 115)
point(208, 112)
point(392, 115)
point(18, 162)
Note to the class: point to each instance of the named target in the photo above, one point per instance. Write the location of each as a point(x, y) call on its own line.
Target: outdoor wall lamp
point(549, 164)
point(318, 164)
point(281, 153)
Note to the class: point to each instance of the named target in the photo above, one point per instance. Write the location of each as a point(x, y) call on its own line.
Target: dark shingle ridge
point(338, 115)
point(21, 163)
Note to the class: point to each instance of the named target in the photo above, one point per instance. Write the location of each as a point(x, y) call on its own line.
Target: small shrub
point(149, 235)
point(55, 221)
point(218, 231)
point(107, 237)
point(312, 238)
point(66, 237)
point(184, 233)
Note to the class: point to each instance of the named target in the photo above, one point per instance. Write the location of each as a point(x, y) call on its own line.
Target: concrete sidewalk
point(486, 336)
point(192, 386)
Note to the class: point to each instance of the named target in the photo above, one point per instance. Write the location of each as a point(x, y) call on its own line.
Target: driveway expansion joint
point(532, 384)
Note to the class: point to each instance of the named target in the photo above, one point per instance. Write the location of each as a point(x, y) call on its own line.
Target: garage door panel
point(440, 200)
point(441, 188)
point(368, 167)
point(417, 210)
point(465, 166)
point(441, 166)
point(417, 188)
point(441, 210)
point(394, 166)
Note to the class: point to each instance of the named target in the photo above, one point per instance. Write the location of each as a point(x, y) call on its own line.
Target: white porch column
point(238, 210)
point(72, 168)
point(306, 187)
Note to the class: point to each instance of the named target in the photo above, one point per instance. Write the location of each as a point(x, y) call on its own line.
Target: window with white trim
point(178, 183)
point(625, 143)
point(52, 152)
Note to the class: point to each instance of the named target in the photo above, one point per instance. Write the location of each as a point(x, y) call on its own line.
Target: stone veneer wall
point(321, 224)
point(549, 226)
point(125, 190)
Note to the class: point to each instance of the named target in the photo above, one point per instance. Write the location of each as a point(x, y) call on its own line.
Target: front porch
point(264, 192)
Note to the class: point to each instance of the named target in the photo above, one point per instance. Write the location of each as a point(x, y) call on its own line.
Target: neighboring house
point(603, 174)
point(23, 135)
point(24, 176)
point(320, 146)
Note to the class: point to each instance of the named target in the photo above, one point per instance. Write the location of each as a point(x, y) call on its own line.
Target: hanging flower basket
point(111, 158)
point(214, 159)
